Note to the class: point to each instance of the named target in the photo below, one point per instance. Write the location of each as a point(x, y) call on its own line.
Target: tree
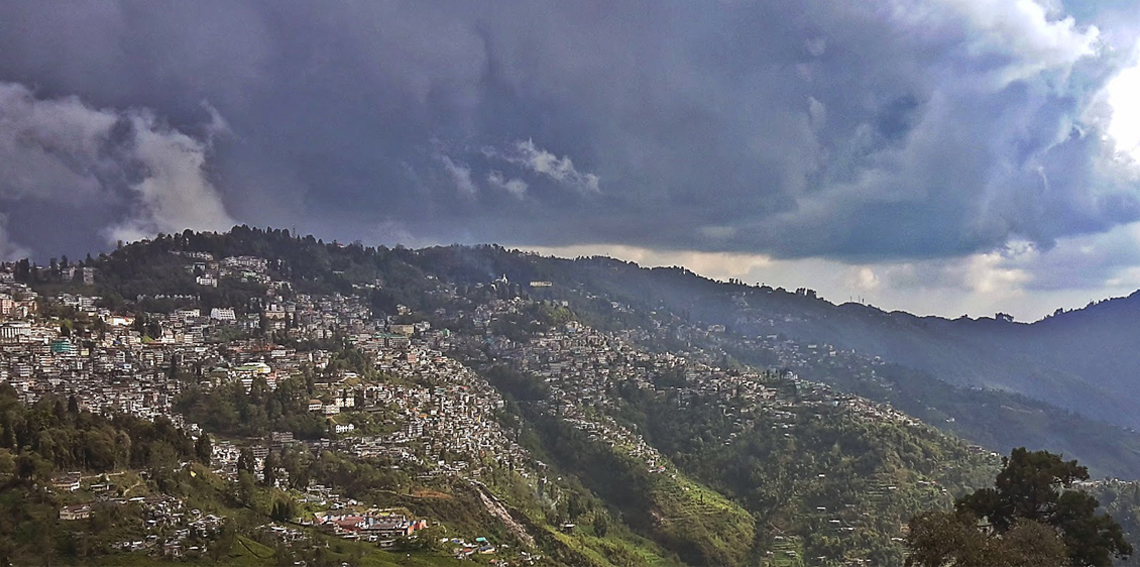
point(299, 479)
point(1031, 544)
point(204, 449)
point(32, 468)
point(940, 538)
point(246, 461)
point(8, 436)
point(1028, 487)
point(223, 542)
point(283, 556)
point(1020, 521)
point(245, 488)
point(283, 510)
point(269, 471)
point(601, 525)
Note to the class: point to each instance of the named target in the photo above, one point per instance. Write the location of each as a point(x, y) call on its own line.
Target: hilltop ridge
point(1071, 370)
point(594, 411)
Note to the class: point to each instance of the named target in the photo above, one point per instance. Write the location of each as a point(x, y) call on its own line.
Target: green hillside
point(686, 441)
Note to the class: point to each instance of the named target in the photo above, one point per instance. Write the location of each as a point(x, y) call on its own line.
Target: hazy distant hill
point(1080, 361)
point(1085, 360)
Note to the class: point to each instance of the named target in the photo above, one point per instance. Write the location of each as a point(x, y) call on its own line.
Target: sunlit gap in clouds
point(1124, 97)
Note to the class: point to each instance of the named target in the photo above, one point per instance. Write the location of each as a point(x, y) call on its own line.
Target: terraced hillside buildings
point(501, 419)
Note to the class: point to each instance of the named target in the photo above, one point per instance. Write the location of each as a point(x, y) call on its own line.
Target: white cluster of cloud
point(1123, 97)
point(530, 157)
point(174, 193)
point(1035, 37)
point(1021, 277)
point(514, 186)
point(50, 149)
point(62, 150)
point(460, 175)
point(9, 250)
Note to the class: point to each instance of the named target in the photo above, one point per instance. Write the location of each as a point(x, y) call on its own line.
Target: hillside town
point(413, 397)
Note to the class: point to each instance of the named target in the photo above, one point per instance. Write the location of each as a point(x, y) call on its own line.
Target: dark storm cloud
point(845, 130)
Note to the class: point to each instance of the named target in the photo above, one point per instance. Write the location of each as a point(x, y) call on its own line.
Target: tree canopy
point(1031, 517)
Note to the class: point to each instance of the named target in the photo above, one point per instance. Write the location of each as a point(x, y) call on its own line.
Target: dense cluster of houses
point(378, 526)
point(168, 528)
point(439, 405)
point(440, 416)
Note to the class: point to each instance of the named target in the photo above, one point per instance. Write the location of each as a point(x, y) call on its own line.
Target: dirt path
point(132, 487)
point(499, 511)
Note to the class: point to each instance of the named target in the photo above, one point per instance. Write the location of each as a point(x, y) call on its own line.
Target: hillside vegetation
point(696, 445)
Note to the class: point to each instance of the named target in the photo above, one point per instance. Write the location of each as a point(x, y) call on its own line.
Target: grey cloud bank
point(142, 175)
point(864, 133)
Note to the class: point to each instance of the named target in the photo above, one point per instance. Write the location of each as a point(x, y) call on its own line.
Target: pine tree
point(8, 437)
point(204, 449)
point(269, 471)
point(246, 461)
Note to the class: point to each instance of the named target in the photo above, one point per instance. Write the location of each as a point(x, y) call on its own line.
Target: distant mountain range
point(1084, 361)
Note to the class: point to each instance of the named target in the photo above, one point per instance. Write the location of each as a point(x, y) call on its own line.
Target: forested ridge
point(838, 489)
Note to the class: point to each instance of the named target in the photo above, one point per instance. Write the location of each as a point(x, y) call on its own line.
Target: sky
point(940, 156)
